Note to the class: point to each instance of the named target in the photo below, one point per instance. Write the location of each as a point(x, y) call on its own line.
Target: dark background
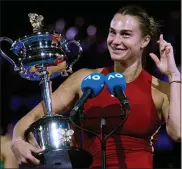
point(18, 95)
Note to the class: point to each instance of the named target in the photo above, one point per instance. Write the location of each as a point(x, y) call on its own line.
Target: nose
point(117, 40)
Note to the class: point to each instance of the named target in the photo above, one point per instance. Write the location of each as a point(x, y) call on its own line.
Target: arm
point(9, 159)
point(171, 107)
point(62, 100)
point(7, 155)
point(26, 121)
point(171, 100)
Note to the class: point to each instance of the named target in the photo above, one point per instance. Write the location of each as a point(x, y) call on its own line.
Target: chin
point(118, 57)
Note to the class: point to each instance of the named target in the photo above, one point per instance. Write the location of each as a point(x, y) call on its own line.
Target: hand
point(51, 68)
point(23, 152)
point(166, 64)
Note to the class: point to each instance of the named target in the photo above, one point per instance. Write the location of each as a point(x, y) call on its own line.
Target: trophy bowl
point(56, 136)
point(41, 47)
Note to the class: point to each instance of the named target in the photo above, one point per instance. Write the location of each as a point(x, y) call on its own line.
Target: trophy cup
point(41, 57)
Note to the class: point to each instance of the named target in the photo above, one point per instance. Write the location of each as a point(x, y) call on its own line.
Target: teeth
point(119, 49)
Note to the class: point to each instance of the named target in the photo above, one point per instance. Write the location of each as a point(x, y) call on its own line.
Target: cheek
point(132, 44)
point(109, 40)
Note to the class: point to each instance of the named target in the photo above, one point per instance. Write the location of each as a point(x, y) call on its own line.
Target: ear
point(145, 41)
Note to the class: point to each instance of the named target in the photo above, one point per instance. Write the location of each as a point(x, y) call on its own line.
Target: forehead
point(120, 22)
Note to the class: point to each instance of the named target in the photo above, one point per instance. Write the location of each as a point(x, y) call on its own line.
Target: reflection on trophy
point(41, 57)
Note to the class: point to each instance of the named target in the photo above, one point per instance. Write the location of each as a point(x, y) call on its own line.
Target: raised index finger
point(161, 40)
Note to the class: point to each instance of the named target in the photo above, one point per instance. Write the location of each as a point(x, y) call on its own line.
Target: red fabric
point(129, 146)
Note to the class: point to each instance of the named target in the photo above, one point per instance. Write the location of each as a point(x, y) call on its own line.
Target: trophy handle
point(77, 44)
point(70, 67)
point(16, 68)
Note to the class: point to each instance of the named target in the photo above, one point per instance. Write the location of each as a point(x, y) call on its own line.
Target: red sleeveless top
point(131, 145)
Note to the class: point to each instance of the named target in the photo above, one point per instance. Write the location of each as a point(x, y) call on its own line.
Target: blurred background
point(89, 23)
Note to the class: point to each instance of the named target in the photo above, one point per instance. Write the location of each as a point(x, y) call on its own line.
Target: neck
point(130, 72)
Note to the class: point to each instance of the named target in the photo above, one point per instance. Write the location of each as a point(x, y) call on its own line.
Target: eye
point(112, 32)
point(126, 34)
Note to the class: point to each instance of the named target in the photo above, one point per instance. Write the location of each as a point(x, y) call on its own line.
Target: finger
point(166, 47)
point(155, 58)
point(35, 160)
point(170, 47)
point(161, 38)
point(50, 87)
point(163, 46)
point(35, 150)
point(22, 161)
point(161, 41)
point(32, 159)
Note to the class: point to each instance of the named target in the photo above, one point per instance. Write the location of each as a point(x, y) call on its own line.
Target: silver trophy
point(43, 56)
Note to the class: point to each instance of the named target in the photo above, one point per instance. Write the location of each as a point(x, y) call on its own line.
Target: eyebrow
point(124, 30)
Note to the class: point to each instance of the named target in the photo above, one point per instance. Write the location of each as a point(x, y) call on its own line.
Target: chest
point(142, 120)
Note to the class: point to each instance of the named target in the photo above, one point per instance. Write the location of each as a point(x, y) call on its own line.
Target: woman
point(131, 30)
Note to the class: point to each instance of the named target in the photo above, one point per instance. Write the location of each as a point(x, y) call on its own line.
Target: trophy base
point(59, 159)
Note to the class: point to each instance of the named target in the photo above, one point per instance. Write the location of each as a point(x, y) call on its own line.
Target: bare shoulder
point(161, 86)
point(81, 73)
point(70, 91)
point(76, 78)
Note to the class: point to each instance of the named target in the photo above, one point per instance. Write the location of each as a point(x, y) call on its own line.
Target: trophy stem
point(45, 89)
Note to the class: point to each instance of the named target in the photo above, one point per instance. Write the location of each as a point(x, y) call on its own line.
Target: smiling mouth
point(118, 50)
